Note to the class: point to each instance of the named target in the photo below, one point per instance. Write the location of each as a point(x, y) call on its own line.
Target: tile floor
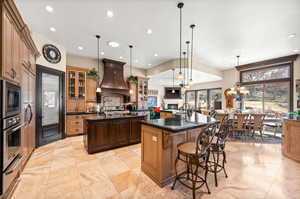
point(63, 170)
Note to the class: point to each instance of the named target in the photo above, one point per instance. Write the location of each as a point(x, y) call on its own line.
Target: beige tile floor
point(63, 170)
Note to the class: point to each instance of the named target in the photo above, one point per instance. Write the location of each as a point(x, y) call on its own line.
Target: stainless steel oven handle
point(17, 128)
point(14, 165)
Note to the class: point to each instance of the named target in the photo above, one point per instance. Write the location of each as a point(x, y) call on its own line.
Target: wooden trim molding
point(269, 62)
point(17, 20)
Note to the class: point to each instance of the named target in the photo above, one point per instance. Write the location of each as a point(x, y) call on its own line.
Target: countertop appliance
point(10, 133)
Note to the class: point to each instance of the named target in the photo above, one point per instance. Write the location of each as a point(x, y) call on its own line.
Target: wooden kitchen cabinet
point(120, 131)
point(91, 87)
point(7, 35)
point(76, 89)
point(100, 135)
point(135, 133)
point(74, 125)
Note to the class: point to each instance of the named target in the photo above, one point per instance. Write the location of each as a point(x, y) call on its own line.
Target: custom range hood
point(113, 78)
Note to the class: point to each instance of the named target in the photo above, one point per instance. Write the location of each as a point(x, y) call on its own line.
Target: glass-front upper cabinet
point(72, 78)
point(81, 85)
point(76, 83)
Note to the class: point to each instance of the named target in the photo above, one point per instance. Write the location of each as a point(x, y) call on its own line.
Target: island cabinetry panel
point(103, 134)
point(291, 139)
point(120, 132)
point(135, 133)
point(159, 152)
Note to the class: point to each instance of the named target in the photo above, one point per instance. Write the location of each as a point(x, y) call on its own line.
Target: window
point(205, 98)
point(270, 73)
point(191, 99)
point(269, 90)
point(202, 99)
point(152, 101)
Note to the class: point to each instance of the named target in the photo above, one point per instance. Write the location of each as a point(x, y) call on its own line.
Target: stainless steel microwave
point(11, 99)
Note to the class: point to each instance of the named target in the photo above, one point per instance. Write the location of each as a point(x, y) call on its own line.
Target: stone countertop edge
point(176, 130)
point(101, 118)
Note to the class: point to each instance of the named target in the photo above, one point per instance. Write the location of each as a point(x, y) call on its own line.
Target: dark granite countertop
point(180, 123)
point(112, 117)
point(80, 113)
point(292, 117)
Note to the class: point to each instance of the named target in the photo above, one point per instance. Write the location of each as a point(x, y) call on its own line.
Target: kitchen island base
point(103, 133)
point(159, 151)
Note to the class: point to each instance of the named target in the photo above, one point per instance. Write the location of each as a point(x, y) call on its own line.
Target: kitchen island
point(159, 143)
point(291, 137)
point(103, 132)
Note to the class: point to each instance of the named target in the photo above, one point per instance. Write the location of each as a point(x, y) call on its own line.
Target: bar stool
point(195, 155)
point(217, 148)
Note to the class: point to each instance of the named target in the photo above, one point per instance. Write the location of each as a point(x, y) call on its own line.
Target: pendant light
point(192, 26)
point(173, 90)
point(187, 64)
point(238, 90)
point(130, 48)
point(180, 75)
point(98, 90)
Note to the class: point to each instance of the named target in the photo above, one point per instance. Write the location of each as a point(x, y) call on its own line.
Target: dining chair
point(257, 124)
point(195, 155)
point(240, 123)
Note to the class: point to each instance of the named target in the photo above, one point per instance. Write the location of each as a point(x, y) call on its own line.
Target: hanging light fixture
point(238, 90)
point(192, 26)
point(173, 90)
point(182, 84)
point(98, 90)
point(180, 75)
point(187, 64)
point(130, 48)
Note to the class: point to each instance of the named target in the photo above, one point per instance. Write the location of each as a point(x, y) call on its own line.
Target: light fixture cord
point(173, 78)
point(192, 50)
point(130, 60)
point(187, 60)
point(180, 39)
point(184, 63)
point(98, 61)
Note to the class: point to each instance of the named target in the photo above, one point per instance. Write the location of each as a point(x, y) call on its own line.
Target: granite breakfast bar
point(159, 143)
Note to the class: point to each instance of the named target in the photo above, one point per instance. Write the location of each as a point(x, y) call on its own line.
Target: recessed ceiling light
point(80, 48)
point(149, 31)
point(296, 50)
point(149, 64)
point(136, 61)
point(121, 57)
point(292, 35)
point(155, 55)
point(49, 8)
point(52, 29)
point(102, 53)
point(113, 44)
point(109, 13)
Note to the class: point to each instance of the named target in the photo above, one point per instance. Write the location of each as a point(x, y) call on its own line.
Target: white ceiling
point(166, 78)
point(255, 29)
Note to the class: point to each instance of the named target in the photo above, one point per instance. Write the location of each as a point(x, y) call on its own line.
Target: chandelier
point(238, 90)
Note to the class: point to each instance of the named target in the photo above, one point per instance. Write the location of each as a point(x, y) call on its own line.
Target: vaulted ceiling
point(255, 29)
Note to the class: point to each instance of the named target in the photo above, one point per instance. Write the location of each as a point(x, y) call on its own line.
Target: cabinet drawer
point(74, 130)
point(76, 122)
point(73, 117)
